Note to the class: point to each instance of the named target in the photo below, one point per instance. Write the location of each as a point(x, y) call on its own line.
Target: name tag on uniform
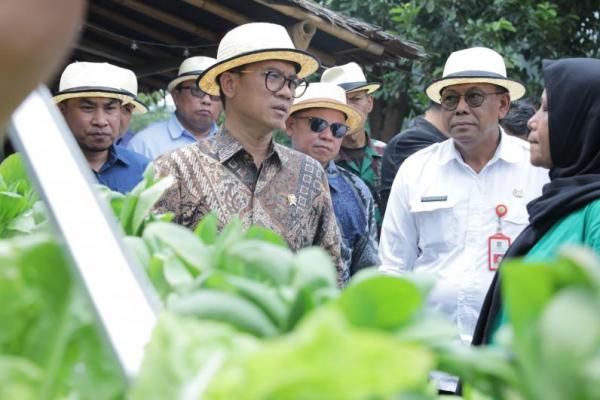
point(497, 246)
point(429, 199)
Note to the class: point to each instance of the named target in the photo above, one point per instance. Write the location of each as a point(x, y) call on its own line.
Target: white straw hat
point(254, 42)
point(350, 77)
point(191, 68)
point(130, 85)
point(328, 95)
point(88, 79)
point(475, 65)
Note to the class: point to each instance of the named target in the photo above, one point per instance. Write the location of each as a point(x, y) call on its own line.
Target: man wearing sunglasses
point(455, 206)
point(241, 172)
point(194, 118)
point(319, 121)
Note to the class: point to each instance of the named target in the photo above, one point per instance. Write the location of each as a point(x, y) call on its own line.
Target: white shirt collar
point(507, 150)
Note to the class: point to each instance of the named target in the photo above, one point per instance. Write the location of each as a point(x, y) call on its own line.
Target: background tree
point(523, 31)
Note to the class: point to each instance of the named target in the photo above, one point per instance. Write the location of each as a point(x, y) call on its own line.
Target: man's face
point(322, 146)
point(539, 137)
point(94, 121)
point(126, 113)
point(362, 101)
point(469, 124)
point(249, 100)
point(195, 109)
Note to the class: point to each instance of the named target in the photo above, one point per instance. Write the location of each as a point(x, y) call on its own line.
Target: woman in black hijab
point(565, 137)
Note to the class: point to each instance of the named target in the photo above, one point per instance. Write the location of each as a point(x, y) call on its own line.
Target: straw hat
point(88, 79)
point(254, 42)
point(130, 85)
point(191, 68)
point(328, 95)
point(475, 65)
point(350, 77)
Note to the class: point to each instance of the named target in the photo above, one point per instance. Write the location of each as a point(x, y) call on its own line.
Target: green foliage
point(20, 209)
point(49, 343)
point(157, 110)
point(523, 31)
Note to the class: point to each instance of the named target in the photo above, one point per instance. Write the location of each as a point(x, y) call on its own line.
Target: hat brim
point(138, 106)
point(207, 81)
point(516, 89)
point(352, 87)
point(182, 78)
point(354, 118)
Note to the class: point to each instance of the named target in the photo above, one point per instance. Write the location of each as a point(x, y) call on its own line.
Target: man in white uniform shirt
point(442, 215)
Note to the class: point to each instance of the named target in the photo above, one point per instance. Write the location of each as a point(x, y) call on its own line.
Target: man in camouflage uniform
point(359, 153)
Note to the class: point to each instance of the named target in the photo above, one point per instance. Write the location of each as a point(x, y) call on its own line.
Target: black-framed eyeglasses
point(474, 99)
point(318, 125)
point(275, 81)
point(199, 93)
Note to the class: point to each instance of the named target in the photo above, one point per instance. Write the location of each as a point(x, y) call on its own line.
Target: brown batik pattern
point(288, 194)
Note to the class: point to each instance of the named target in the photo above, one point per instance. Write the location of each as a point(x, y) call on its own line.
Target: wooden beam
point(107, 54)
point(328, 27)
point(169, 19)
point(152, 51)
point(133, 24)
point(239, 19)
point(157, 67)
point(222, 11)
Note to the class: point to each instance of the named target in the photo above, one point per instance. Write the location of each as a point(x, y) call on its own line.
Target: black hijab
point(573, 99)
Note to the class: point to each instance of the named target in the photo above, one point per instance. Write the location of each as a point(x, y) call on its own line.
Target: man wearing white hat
point(359, 152)
point(241, 172)
point(455, 206)
point(195, 116)
point(130, 84)
point(90, 98)
point(318, 122)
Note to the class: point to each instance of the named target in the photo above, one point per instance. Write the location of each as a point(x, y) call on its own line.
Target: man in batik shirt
point(241, 172)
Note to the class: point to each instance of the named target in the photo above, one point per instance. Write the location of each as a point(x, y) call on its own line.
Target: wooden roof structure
point(152, 37)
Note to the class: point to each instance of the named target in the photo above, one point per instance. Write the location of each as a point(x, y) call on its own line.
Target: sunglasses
point(474, 99)
point(197, 92)
point(318, 125)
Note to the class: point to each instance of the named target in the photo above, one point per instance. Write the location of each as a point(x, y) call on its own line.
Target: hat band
point(474, 74)
point(83, 89)
point(191, 73)
point(352, 85)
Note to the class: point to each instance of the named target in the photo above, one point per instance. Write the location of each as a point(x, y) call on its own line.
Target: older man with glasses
point(241, 172)
point(319, 121)
point(194, 118)
point(456, 206)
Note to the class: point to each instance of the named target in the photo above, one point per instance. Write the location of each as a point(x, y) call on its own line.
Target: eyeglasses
point(318, 125)
point(474, 98)
point(275, 81)
point(197, 92)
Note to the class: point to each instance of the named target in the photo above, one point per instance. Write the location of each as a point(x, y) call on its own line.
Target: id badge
point(497, 246)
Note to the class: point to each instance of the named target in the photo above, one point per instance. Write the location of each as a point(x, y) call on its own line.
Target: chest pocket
point(437, 224)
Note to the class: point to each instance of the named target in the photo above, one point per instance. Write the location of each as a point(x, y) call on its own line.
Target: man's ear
point(290, 125)
point(504, 105)
point(62, 106)
point(227, 82)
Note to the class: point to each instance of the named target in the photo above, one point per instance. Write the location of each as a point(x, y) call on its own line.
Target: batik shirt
point(355, 213)
point(287, 194)
point(369, 170)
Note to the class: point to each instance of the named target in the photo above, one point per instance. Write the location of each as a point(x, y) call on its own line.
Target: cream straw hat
point(130, 85)
point(328, 95)
point(88, 79)
point(254, 42)
point(191, 68)
point(475, 65)
point(350, 77)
